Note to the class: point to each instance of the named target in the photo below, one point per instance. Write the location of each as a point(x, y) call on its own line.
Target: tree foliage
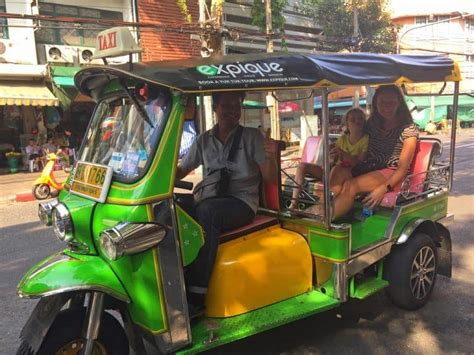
point(278, 20)
point(376, 32)
point(183, 7)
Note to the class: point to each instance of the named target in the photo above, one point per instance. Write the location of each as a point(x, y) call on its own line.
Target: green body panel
point(430, 209)
point(370, 230)
point(139, 273)
point(239, 327)
point(81, 210)
point(77, 272)
point(332, 245)
point(158, 182)
point(191, 236)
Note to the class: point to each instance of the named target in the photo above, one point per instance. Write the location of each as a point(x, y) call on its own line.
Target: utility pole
point(268, 25)
point(271, 101)
point(212, 44)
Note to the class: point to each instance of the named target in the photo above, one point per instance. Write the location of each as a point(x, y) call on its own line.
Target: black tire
point(65, 333)
point(411, 271)
point(41, 191)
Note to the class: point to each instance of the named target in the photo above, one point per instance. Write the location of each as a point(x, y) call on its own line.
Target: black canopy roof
point(278, 71)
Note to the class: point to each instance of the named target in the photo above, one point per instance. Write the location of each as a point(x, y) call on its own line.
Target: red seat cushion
point(311, 149)
point(271, 184)
point(260, 222)
point(419, 167)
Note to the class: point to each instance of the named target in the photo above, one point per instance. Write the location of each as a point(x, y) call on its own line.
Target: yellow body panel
point(259, 269)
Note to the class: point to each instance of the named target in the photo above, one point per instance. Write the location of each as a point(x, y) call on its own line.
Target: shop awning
point(64, 76)
point(26, 94)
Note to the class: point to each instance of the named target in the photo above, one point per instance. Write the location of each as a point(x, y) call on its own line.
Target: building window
point(470, 26)
point(439, 18)
point(3, 22)
point(72, 36)
point(419, 20)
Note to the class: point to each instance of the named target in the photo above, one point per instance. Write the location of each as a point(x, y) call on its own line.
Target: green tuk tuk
point(118, 287)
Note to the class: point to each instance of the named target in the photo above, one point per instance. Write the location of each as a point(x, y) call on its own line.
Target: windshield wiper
point(140, 109)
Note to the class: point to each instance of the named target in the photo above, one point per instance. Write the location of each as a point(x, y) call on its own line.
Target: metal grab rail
point(437, 179)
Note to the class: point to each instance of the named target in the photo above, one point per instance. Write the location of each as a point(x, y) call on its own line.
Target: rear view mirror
point(292, 95)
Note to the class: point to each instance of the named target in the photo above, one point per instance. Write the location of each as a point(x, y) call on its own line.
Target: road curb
point(24, 197)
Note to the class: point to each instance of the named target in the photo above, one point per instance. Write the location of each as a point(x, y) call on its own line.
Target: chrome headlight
point(45, 211)
point(62, 223)
point(130, 238)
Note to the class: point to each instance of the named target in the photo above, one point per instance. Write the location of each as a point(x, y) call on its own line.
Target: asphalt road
point(445, 325)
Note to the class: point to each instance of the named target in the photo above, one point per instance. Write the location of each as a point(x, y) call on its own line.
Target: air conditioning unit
point(61, 54)
point(85, 54)
point(17, 52)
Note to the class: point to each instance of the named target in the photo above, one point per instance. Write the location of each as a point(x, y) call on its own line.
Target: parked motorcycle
point(43, 184)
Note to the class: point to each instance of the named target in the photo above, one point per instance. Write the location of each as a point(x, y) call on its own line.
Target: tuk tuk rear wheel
point(41, 191)
point(65, 335)
point(411, 271)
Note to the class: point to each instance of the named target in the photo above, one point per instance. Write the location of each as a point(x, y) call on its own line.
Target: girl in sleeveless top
point(350, 149)
point(392, 143)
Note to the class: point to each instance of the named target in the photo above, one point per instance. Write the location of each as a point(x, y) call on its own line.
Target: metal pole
point(355, 101)
point(454, 124)
point(326, 166)
point(271, 101)
point(202, 114)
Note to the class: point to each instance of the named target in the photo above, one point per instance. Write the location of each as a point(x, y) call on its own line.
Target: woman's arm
point(406, 157)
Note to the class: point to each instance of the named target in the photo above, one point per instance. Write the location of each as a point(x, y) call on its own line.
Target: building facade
point(301, 32)
point(38, 58)
point(439, 27)
point(169, 43)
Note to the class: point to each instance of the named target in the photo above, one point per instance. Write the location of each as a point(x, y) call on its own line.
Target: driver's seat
point(269, 198)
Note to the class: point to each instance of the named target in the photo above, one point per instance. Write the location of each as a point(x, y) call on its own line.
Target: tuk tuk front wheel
point(65, 335)
point(411, 271)
point(41, 191)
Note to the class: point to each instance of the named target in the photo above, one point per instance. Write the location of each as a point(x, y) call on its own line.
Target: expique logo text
point(238, 68)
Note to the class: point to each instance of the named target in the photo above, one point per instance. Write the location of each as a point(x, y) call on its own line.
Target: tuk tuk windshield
point(120, 137)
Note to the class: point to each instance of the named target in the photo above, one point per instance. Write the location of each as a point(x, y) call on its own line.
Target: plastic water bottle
point(366, 212)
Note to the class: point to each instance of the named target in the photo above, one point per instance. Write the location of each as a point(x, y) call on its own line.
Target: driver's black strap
point(235, 143)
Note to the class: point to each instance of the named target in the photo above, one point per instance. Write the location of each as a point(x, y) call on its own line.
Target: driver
point(239, 204)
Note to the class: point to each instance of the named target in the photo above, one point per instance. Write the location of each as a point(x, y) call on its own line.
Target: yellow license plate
point(91, 180)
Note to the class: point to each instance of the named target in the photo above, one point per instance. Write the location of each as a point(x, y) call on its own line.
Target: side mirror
point(144, 92)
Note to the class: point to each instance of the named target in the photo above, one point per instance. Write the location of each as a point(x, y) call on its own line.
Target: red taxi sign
point(115, 42)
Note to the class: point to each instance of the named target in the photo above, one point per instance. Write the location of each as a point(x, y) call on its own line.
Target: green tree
point(278, 20)
point(376, 32)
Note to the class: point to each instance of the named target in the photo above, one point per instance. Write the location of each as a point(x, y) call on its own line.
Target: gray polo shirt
point(208, 150)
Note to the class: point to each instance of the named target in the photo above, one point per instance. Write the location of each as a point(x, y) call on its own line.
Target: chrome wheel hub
point(423, 271)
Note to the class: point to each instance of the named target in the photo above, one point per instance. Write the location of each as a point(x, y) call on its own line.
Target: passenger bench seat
point(426, 150)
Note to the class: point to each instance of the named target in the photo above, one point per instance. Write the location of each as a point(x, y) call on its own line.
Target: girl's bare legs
point(364, 183)
point(303, 170)
point(337, 177)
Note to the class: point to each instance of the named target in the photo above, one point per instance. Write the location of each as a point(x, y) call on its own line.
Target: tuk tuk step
point(363, 288)
point(226, 330)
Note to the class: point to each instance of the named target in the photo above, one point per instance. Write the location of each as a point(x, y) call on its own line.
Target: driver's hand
point(269, 147)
